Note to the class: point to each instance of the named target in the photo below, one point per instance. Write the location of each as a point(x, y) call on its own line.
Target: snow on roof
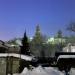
point(66, 56)
point(24, 57)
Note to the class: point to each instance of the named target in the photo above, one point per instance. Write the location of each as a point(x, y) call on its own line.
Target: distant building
point(31, 38)
point(9, 48)
point(69, 48)
point(56, 40)
point(3, 47)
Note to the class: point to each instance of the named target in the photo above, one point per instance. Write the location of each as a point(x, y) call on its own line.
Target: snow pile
point(38, 71)
point(25, 72)
point(72, 72)
point(41, 71)
point(52, 71)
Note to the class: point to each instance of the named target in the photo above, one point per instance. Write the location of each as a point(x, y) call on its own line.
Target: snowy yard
point(44, 71)
point(38, 70)
point(41, 71)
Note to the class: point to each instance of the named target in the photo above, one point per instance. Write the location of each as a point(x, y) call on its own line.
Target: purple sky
point(18, 15)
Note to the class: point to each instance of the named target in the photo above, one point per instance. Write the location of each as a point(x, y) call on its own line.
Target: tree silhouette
point(71, 27)
point(25, 45)
point(59, 34)
point(24, 50)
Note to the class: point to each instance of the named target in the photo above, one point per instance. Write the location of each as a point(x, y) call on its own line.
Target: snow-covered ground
point(38, 70)
point(44, 71)
point(72, 72)
point(41, 71)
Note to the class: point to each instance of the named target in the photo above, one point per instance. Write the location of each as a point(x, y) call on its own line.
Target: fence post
point(11, 65)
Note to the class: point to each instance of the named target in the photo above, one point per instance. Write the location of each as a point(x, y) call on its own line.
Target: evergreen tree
point(38, 36)
point(26, 51)
point(59, 34)
point(36, 43)
point(60, 45)
point(25, 45)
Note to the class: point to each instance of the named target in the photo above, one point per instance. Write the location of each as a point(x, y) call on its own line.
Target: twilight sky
point(18, 15)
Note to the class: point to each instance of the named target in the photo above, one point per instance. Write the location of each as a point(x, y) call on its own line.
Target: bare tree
point(71, 27)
